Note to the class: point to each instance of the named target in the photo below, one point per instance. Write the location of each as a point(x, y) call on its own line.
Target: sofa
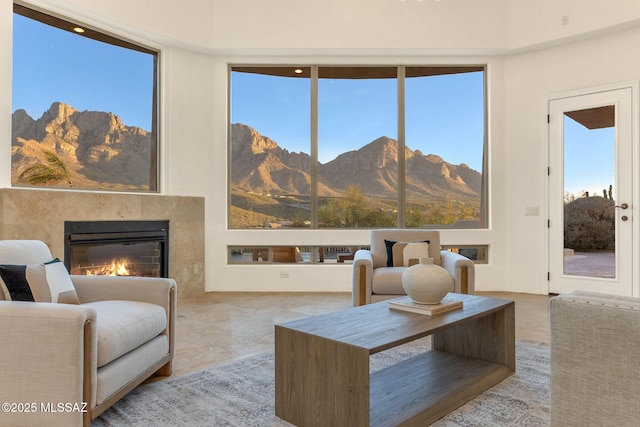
point(64, 362)
point(595, 342)
point(377, 272)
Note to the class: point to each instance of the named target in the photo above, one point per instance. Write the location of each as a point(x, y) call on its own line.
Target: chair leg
point(363, 285)
point(464, 280)
point(86, 380)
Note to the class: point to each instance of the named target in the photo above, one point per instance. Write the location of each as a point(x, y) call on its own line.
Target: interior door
point(590, 193)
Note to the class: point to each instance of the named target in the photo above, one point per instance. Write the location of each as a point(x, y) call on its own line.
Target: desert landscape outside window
point(357, 147)
point(84, 107)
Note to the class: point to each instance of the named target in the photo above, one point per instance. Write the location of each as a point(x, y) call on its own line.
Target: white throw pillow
point(46, 282)
point(412, 253)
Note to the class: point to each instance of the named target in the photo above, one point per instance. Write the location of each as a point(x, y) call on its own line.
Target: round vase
point(426, 283)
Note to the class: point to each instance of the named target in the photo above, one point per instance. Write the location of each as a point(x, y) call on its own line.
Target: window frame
point(401, 76)
point(56, 20)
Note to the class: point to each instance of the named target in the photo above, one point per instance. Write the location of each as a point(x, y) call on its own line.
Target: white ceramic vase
point(426, 283)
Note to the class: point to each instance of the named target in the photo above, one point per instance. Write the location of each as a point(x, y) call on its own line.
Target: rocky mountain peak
point(96, 146)
point(20, 115)
point(373, 167)
point(22, 124)
point(98, 121)
point(247, 139)
point(380, 153)
point(58, 113)
point(434, 158)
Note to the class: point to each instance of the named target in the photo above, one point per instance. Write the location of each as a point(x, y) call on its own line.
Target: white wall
point(359, 24)
point(199, 38)
point(530, 80)
point(547, 22)
point(279, 25)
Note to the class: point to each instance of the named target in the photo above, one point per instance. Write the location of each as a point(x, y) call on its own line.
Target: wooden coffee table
point(322, 363)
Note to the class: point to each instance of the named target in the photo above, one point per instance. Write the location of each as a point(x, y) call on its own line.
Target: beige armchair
point(377, 277)
point(64, 364)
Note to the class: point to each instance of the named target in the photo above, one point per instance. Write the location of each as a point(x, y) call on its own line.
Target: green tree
point(415, 216)
point(354, 210)
point(51, 173)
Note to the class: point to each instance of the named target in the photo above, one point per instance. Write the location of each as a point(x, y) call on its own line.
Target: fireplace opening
point(117, 248)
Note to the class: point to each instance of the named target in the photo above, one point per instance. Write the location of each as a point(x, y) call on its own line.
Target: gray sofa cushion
point(595, 342)
point(125, 325)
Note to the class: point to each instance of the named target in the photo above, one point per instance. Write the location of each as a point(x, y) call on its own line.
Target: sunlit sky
point(52, 65)
point(589, 163)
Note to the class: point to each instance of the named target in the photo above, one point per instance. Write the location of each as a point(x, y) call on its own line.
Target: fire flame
point(118, 267)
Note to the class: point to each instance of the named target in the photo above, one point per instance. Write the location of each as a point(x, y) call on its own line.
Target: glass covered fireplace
point(117, 248)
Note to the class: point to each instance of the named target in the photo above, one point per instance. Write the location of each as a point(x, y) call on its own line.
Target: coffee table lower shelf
point(421, 390)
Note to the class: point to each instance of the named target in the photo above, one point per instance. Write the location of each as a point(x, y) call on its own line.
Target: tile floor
point(221, 327)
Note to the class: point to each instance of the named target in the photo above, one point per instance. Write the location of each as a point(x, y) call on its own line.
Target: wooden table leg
point(490, 338)
point(319, 382)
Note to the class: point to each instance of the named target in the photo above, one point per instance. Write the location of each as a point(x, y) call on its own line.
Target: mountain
point(98, 149)
point(101, 152)
point(260, 165)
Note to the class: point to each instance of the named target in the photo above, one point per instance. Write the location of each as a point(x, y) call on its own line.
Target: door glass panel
point(589, 193)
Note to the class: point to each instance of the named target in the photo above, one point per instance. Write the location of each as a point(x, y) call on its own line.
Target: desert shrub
point(355, 210)
point(589, 224)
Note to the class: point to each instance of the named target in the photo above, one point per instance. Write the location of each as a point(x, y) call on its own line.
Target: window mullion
point(401, 147)
point(314, 147)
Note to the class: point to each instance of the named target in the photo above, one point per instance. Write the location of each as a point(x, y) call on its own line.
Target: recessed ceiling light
point(78, 30)
point(298, 71)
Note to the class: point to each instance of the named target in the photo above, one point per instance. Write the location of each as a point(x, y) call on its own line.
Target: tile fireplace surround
point(40, 215)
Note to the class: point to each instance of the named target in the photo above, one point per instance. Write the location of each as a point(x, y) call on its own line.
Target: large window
point(85, 107)
point(270, 150)
point(357, 147)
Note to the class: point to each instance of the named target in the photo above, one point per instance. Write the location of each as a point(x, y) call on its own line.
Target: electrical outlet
point(564, 20)
point(196, 269)
point(284, 275)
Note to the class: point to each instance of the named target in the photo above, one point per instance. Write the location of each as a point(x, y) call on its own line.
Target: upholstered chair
point(377, 272)
point(85, 343)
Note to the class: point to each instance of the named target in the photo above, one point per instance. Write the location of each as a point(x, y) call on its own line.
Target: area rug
point(241, 394)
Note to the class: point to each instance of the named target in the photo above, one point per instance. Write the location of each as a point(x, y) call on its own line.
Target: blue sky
point(589, 163)
point(53, 65)
point(444, 114)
